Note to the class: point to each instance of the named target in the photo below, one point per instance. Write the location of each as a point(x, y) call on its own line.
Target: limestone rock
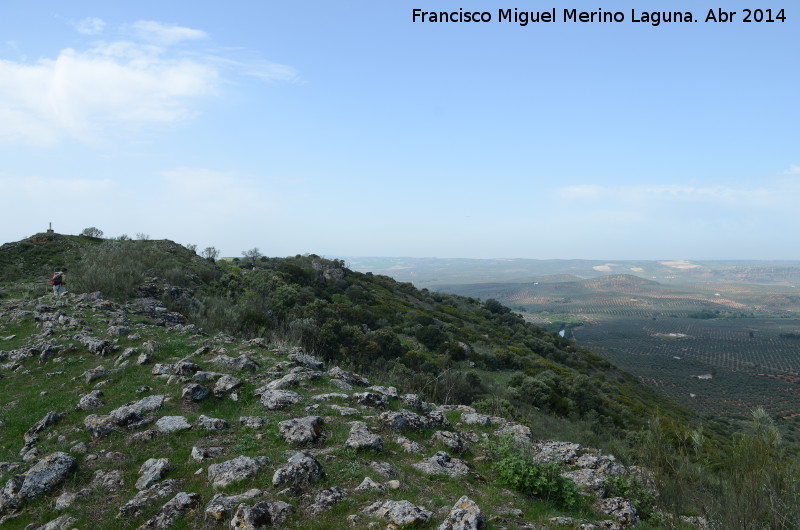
point(212, 424)
point(226, 384)
point(473, 418)
point(299, 472)
point(221, 506)
point(442, 464)
point(399, 513)
point(260, 516)
point(370, 399)
point(238, 469)
point(161, 490)
point(205, 453)
point(348, 377)
point(620, 509)
point(464, 515)
point(362, 438)
point(46, 474)
point(325, 499)
point(92, 400)
point(151, 472)
point(370, 485)
point(195, 392)
point(302, 430)
point(108, 479)
point(172, 424)
point(279, 399)
point(179, 505)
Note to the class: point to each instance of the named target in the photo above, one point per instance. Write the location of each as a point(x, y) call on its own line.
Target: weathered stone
point(349, 377)
point(161, 490)
point(243, 362)
point(31, 435)
point(449, 439)
point(236, 470)
point(520, 433)
point(442, 464)
point(330, 396)
point(179, 505)
point(91, 401)
point(302, 430)
point(620, 509)
point(384, 468)
point(151, 472)
point(253, 422)
point(464, 515)
point(345, 411)
point(46, 474)
point(195, 392)
point(221, 506)
point(279, 399)
point(292, 379)
point(362, 438)
point(473, 418)
point(260, 516)
point(108, 479)
point(370, 399)
point(62, 522)
point(226, 384)
point(588, 480)
point(304, 359)
point(325, 499)
point(388, 391)
point(404, 419)
point(300, 471)
point(205, 453)
point(398, 513)
point(370, 485)
point(410, 446)
point(172, 424)
point(212, 424)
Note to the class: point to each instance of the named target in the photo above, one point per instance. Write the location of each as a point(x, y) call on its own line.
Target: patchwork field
point(719, 348)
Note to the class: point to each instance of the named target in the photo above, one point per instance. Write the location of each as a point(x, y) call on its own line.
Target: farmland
point(720, 349)
point(720, 338)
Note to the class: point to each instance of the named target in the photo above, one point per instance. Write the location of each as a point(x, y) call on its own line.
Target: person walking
point(59, 283)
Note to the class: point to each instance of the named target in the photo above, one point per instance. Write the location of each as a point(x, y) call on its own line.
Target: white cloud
point(164, 34)
point(116, 85)
point(90, 26)
point(793, 170)
point(80, 94)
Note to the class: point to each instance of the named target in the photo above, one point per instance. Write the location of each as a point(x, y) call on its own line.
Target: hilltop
point(169, 390)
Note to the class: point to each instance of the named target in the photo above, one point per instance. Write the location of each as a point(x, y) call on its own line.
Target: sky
point(344, 128)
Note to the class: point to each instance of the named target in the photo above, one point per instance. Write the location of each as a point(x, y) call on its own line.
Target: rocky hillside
point(122, 415)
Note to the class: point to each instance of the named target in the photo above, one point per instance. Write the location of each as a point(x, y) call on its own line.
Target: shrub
point(516, 470)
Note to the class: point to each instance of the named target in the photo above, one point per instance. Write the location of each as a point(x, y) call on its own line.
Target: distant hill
point(432, 272)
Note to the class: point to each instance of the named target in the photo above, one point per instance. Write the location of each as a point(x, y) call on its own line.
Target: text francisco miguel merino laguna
point(654, 18)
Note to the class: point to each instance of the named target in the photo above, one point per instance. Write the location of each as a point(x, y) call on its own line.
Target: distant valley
point(718, 337)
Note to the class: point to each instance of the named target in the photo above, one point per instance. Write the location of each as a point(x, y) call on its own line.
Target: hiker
point(59, 283)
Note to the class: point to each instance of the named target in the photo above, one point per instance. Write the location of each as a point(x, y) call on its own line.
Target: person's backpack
point(56, 279)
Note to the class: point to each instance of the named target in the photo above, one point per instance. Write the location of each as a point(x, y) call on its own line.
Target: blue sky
point(345, 129)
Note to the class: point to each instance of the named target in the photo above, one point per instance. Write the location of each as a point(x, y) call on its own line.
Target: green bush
point(517, 470)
